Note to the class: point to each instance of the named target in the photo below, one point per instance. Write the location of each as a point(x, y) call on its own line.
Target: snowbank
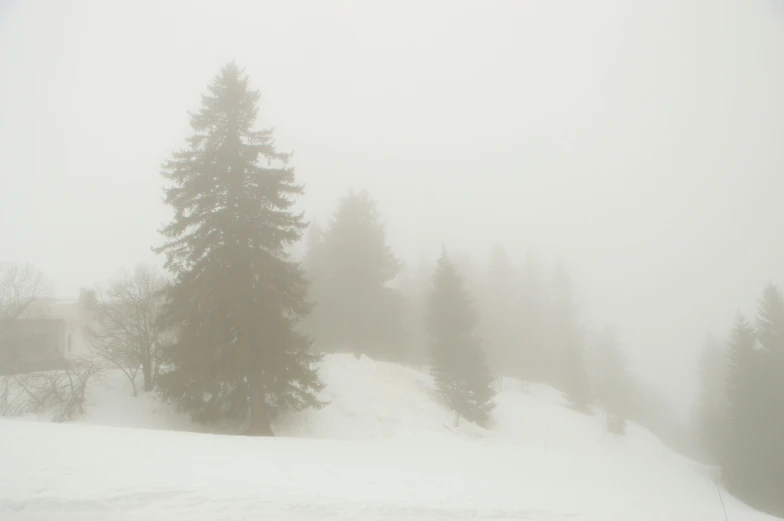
point(384, 448)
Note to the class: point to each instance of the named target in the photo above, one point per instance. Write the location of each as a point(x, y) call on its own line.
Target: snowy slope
point(384, 448)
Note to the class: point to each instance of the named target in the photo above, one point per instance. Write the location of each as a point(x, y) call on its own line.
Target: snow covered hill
point(384, 448)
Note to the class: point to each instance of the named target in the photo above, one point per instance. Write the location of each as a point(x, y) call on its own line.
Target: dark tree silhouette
point(458, 363)
point(236, 298)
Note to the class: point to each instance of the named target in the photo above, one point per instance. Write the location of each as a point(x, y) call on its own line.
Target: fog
point(639, 144)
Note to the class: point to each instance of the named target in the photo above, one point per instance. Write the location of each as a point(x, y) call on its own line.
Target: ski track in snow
point(384, 448)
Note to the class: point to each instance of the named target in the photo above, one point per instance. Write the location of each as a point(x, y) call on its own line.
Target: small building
point(33, 344)
point(49, 333)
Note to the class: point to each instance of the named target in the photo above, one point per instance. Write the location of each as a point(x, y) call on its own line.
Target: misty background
point(638, 144)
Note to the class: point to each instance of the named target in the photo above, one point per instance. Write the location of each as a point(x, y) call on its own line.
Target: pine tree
point(571, 375)
point(740, 455)
point(498, 314)
point(770, 320)
point(314, 258)
point(612, 382)
point(414, 285)
point(531, 320)
point(458, 363)
point(356, 307)
point(313, 264)
point(770, 331)
point(236, 297)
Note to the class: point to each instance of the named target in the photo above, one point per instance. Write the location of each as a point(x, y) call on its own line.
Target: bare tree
point(125, 330)
point(21, 287)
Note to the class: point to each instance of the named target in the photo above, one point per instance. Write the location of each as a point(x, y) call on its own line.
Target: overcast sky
point(640, 143)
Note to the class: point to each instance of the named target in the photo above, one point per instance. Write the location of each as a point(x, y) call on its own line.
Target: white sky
point(642, 143)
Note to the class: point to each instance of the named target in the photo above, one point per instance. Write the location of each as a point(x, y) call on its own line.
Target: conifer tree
point(236, 297)
point(458, 363)
point(612, 381)
point(356, 307)
point(770, 320)
point(414, 286)
point(770, 332)
point(740, 455)
point(314, 258)
point(531, 321)
point(498, 315)
point(571, 375)
point(313, 264)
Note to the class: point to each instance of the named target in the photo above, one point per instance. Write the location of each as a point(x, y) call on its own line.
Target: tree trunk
point(154, 372)
point(259, 424)
point(147, 372)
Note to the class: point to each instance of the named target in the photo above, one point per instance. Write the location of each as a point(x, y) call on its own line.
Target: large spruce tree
point(236, 297)
point(458, 363)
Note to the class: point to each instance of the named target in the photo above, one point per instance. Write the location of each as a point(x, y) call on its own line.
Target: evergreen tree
point(314, 258)
point(770, 320)
point(612, 381)
point(498, 315)
point(356, 307)
point(740, 455)
point(752, 454)
point(531, 320)
point(458, 363)
point(313, 264)
point(414, 287)
point(236, 297)
point(770, 331)
point(566, 336)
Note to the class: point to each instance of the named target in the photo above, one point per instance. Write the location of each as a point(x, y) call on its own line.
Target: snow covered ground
point(384, 448)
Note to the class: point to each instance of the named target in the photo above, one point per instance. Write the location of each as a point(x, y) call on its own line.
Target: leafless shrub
point(60, 392)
